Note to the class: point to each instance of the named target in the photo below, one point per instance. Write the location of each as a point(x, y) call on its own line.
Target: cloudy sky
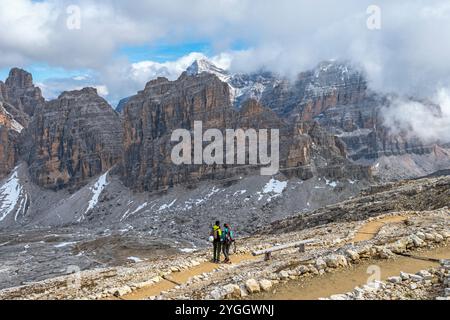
point(119, 45)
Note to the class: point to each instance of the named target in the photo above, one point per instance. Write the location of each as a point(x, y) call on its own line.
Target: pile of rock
point(446, 280)
point(234, 291)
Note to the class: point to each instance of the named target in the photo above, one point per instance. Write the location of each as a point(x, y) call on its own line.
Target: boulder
point(252, 286)
point(415, 278)
point(122, 291)
point(174, 269)
point(320, 263)
point(385, 253)
point(217, 294)
point(438, 238)
point(395, 279)
point(244, 292)
point(367, 252)
point(417, 241)
point(336, 261)
point(265, 285)
point(156, 279)
point(353, 255)
point(429, 236)
point(232, 291)
point(404, 276)
point(447, 292)
point(399, 246)
point(421, 235)
point(425, 274)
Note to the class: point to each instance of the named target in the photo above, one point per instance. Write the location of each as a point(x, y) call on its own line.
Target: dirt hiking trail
point(182, 277)
point(317, 287)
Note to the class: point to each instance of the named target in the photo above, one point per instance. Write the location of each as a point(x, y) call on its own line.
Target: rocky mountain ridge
point(328, 119)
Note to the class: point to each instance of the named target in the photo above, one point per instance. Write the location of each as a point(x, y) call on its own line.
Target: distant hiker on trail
point(227, 240)
point(216, 239)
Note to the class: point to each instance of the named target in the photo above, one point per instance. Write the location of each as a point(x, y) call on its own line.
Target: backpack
point(229, 236)
point(215, 233)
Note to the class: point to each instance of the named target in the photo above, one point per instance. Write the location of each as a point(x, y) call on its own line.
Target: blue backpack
point(228, 236)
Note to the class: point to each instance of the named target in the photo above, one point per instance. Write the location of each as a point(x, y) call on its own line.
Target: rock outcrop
point(314, 91)
point(20, 92)
point(9, 134)
point(71, 139)
point(8, 153)
point(152, 115)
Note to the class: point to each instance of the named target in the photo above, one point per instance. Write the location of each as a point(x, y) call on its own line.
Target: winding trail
point(346, 280)
point(371, 229)
point(317, 287)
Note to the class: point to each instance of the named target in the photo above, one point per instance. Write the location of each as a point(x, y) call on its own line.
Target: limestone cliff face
point(16, 95)
point(9, 138)
point(361, 127)
point(314, 91)
point(8, 152)
point(151, 116)
point(71, 139)
point(21, 92)
point(3, 91)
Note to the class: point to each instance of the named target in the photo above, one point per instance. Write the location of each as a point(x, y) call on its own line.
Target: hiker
point(216, 237)
point(227, 240)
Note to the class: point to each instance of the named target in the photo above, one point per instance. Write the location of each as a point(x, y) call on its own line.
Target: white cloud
point(408, 55)
point(421, 120)
point(145, 70)
point(52, 88)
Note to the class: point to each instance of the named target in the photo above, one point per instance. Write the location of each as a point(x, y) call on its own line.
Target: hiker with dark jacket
point(227, 240)
point(216, 235)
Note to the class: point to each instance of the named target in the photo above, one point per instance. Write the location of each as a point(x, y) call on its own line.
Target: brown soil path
point(182, 277)
point(371, 229)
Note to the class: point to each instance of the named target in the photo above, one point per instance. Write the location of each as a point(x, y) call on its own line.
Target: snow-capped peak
point(242, 86)
point(203, 65)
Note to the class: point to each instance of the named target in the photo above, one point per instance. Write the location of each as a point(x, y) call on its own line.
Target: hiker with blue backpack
point(227, 240)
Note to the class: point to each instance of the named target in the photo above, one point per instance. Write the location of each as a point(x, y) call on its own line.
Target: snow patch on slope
point(274, 189)
point(167, 206)
point(65, 244)
point(128, 214)
point(96, 190)
point(135, 259)
point(275, 186)
point(197, 202)
point(12, 196)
